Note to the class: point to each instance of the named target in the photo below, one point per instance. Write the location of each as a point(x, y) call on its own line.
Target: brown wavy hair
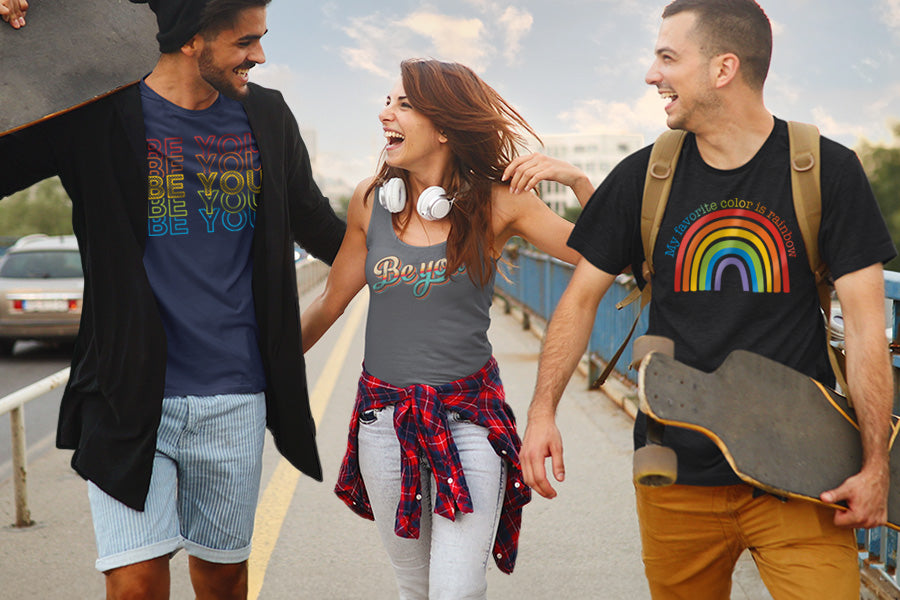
point(484, 133)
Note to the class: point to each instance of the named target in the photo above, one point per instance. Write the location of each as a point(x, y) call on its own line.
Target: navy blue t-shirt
point(204, 183)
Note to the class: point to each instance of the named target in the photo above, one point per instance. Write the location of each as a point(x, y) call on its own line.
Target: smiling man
point(711, 61)
point(188, 191)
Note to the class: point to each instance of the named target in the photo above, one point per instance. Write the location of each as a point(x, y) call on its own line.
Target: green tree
point(343, 203)
point(572, 213)
point(43, 208)
point(882, 165)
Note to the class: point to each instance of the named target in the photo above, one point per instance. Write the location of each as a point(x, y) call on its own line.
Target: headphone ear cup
point(433, 203)
point(393, 195)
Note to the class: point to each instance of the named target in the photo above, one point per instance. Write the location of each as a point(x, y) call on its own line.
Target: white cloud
point(468, 40)
point(645, 115)
point(461, 40)
point(381, 43)
point(890, 12)
point(832, 127)
point(282, 78)
point(516, 23)
point(371, 39)
point(274, 75)
point(778, 28)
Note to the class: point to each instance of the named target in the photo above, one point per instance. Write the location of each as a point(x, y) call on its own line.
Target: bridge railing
point(535, 282)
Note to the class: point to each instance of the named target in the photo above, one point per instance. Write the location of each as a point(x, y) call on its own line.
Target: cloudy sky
point(567, 65)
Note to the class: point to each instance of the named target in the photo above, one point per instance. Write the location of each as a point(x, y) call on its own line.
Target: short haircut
point(740, 27)
point(219, 15)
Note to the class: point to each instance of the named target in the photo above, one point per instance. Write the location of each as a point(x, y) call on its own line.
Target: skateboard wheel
point(655, 466)
point(646, 344)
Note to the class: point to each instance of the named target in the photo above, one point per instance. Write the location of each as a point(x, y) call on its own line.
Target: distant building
point(334, 189)
point(594, 153)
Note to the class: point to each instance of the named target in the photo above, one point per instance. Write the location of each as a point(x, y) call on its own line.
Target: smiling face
point(225, 60)
point(412, 139)
point(682, 74)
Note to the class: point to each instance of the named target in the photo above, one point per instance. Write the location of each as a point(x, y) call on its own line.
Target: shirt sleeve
point(607, 233)
point(853, 234)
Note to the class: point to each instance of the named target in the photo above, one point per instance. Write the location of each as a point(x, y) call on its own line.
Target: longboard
point(780, 430)
point(71, 52)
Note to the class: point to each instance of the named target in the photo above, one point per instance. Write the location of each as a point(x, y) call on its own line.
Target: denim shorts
point(204, 487)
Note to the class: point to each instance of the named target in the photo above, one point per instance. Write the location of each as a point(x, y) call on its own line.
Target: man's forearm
point(567, 336)
point(566, 340)
point(870, 380)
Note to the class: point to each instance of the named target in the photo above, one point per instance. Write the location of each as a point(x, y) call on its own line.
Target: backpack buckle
point(803, 162)
point(660, 170)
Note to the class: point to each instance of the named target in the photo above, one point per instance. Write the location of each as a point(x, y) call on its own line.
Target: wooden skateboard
point(71, 52)
point(780, 430)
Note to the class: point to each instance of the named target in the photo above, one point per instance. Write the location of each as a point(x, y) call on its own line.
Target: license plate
point(45, 306)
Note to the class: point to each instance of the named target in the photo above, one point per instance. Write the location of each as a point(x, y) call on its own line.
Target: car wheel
point(6, 347)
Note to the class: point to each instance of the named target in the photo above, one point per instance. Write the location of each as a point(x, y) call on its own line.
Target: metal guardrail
point(14, 404)
point(309, 273)
point(535, 282)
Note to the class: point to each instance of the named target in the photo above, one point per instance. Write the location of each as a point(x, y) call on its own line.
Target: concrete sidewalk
point(582, 545)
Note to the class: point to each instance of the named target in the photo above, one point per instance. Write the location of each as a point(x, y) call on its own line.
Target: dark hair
point(740, 27)
point(483, 133)
point(219, 15)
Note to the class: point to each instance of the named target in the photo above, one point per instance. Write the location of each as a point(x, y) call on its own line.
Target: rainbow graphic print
point(732, 240)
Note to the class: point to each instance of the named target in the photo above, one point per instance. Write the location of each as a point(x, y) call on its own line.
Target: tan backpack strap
point(806, 188)
point(657, 185)
point(805, 176)
point(636, 293)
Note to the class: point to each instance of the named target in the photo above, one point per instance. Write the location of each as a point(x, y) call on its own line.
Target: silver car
point(41, 290)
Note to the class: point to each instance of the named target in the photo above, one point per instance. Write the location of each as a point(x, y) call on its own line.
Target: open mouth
point(394, 139)
point(669, 97)
point(243, 73)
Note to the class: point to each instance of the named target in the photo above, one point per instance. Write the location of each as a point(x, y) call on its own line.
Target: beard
point(221, 78)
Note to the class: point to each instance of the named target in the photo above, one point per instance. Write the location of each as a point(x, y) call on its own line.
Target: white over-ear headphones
point(432, 205)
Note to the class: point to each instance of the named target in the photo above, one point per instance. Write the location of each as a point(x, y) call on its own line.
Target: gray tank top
point(423, 327)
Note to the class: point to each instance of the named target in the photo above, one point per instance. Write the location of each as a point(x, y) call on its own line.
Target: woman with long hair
point(433, 451)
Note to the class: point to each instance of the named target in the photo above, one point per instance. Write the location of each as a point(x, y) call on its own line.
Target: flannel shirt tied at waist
point(420, 420)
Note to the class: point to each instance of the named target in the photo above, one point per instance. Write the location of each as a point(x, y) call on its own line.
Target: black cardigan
point(111, 407)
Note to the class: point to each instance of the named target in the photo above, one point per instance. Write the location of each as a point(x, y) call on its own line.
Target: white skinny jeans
point(449, 559)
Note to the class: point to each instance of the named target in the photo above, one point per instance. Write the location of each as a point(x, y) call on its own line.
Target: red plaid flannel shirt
point(420, 420)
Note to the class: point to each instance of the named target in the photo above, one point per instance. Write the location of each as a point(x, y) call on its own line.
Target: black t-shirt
point(731, 270)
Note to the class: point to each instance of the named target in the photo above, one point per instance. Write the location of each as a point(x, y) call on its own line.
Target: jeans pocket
point(455, 417)
point(368, 417)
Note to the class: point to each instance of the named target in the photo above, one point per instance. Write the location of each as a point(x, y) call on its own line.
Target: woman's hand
point(525, 172)
point(13, 12)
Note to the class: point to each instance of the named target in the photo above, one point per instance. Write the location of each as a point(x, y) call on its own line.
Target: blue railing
point(536, 282)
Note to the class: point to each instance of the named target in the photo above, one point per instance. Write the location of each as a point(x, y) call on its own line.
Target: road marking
point(276, 499)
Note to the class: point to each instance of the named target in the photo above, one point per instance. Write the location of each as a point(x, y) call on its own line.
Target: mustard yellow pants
point(692, 536)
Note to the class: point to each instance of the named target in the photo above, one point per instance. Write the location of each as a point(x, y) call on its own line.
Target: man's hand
point(13, 12)
point(542, 440)
point(866, 497)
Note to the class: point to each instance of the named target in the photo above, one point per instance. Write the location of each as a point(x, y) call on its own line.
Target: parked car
point(41, 290)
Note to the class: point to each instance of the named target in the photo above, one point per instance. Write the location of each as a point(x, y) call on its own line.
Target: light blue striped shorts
point(204, 487)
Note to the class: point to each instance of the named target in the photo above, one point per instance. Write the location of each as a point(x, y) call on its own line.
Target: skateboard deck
point(71, 52)
point(780, 430)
